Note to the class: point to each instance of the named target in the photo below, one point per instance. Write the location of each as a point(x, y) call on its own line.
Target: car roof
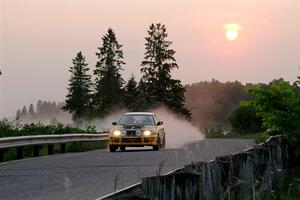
point(139, 113)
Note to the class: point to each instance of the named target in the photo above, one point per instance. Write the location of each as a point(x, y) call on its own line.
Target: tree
point(79, 92)
point(279, 107)
point(18, 114)
point(244, 119)
point(39, 107)
point(297, 83)
point(131, 94)
point(158, 63)
point(212, 101)
point(23, 112)
point(108, 90)
point(31, 111)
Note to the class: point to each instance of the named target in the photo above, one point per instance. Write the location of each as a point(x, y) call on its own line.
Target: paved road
point(89, 175)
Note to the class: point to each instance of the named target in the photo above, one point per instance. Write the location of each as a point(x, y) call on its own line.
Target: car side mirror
point(114, 123)
point(160, 123)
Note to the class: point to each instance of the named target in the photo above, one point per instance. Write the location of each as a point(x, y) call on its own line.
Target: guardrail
point(37, 140)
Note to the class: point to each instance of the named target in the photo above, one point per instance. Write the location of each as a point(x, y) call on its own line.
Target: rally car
point(137, 129)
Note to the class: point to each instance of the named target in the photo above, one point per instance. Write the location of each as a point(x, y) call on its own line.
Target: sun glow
point(232, 31)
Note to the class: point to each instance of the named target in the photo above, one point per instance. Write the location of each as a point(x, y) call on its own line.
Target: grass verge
point(286, 188)
point(220, 133)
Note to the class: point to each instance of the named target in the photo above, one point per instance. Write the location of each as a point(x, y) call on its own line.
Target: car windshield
point(137, 119)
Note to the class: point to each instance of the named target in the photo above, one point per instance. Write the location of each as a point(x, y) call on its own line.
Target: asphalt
point(90, 175)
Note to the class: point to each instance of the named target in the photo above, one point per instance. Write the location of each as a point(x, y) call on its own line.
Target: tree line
point(98, 95)
point(211, 102)
point(49, 111)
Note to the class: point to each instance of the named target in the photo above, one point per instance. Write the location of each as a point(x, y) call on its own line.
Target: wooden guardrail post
point(62, 148)
point(50, 149)
point(1, 155)
point(19, 152)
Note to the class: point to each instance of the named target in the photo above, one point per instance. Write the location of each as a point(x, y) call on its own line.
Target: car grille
point(131, 140)
point(132, 126)
point(130, 132)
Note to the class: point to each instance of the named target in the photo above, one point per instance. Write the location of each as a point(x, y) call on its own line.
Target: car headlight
point(147, 133)
point(116, 133)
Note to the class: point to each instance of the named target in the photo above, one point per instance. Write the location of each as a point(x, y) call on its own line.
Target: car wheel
point(156, 147)
point(123, 148)
point(112, 148)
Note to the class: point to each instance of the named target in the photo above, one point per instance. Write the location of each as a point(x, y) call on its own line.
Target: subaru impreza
point(137, 129)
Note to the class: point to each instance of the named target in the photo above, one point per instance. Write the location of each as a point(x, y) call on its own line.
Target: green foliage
point(278, 104)
point(286, 188)
point(8, 129)
point(79, 91)
point(213, 132)
point(220, 133)
point(108, 86)
point(244, 119)
point(159, 61)
point(90, 128)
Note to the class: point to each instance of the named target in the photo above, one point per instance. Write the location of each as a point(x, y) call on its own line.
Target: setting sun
point(232, 31)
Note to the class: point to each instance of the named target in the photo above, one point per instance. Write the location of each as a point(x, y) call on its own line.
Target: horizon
point(37, 61)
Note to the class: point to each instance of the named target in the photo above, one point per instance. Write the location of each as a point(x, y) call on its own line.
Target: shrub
point(9, 129)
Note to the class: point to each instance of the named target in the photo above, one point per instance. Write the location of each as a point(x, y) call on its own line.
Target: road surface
point(90, 175)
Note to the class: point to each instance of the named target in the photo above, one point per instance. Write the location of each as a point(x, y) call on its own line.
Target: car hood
point(134, 127)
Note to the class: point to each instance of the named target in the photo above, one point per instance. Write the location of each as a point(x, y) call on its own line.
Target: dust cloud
point(179, 131)
point(105, 124)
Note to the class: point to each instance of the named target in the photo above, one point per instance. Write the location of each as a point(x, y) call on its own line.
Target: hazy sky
point(39, 39)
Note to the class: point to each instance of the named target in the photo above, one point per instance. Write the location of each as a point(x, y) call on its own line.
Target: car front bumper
point(133, 141)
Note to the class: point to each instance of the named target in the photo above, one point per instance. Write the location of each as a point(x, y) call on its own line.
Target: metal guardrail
point(9, 142)
point(37, 140)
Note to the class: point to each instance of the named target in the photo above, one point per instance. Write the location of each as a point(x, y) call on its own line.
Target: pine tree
point(131, 94)
point(39, 107)
point(158, 62)
point(18, 114)
point(108, 90)
point(79, 92)
point(31, 111)
point(23, 112)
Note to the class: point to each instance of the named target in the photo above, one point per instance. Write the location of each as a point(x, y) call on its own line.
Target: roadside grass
point(11, 153)
point(286, 188)
point(220, 133)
